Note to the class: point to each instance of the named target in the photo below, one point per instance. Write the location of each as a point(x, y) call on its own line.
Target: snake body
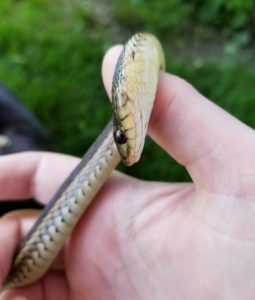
point(133, 92)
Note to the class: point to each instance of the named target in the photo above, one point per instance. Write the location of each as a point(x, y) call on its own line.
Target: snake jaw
point(125, 134)
point(122, 144)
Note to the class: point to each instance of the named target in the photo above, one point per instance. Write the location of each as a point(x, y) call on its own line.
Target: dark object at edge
point(23, 132)
point(19, 125)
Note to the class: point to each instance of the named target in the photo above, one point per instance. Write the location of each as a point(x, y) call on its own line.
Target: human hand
point(150, 240)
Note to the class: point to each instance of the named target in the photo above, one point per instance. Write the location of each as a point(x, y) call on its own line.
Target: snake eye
point(120, 137)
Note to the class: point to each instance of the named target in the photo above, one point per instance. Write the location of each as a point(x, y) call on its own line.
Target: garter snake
point(133, 92)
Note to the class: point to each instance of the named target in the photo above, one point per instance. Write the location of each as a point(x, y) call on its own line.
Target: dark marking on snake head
point(124, 118)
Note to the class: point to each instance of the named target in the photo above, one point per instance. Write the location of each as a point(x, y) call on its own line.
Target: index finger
point(33, 174)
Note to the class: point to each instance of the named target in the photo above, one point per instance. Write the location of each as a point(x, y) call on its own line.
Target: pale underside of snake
point(133, 92)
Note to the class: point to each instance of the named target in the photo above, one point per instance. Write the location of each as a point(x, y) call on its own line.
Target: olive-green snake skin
point(133, 92)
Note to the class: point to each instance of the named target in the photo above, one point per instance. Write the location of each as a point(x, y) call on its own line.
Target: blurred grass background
point(51, 54)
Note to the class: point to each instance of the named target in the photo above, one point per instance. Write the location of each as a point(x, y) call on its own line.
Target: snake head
point(133, 92)
point(129, 125)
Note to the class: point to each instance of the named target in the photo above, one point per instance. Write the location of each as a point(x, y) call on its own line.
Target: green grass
point(53, 62)
point(51, 54)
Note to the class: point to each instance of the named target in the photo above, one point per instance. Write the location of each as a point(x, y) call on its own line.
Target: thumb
point(215, 147)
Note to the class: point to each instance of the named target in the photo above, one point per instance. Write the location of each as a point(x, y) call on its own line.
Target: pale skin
point(151, 240)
